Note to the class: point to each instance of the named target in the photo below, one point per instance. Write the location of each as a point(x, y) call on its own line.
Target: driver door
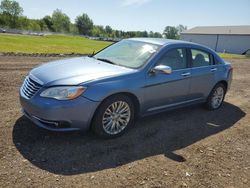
point(167, 90)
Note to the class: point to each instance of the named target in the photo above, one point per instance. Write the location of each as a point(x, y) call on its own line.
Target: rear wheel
point(114, 116)
point(216, 97)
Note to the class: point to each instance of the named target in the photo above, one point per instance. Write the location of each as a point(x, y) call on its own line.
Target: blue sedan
point(131, 78)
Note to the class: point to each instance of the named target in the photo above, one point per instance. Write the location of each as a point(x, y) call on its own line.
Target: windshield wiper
point(92, 55)
point(106, 60)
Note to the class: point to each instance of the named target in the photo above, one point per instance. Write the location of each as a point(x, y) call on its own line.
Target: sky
point(149, 15)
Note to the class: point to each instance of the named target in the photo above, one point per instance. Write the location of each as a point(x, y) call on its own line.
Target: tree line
point(11, 16)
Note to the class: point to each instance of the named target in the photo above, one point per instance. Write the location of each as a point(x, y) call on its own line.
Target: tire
point(110, 119)
point(211, 103)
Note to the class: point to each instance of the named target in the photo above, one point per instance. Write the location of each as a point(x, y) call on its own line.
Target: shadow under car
point(76, 152)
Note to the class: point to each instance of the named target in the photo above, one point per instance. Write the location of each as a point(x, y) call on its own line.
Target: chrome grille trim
point(30, 87)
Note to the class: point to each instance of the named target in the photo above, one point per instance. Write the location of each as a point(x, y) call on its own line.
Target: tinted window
point(200, 58)
point(175, 58)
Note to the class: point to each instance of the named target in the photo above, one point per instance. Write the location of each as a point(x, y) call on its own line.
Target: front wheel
point(216, 97)
point(114, 116)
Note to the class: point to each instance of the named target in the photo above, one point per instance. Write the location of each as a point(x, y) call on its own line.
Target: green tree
point(144, 34)
point(151, 34)
point(23, 22)
point(61, 22)
point(43, 25)
point(157, 35)
point(181, 28)
point(2, 20)
point(73, 29)
point(170, 32)
point(96, 31)
point(117, 34)
point(132, 34)
point(34, 25)
point(48, 21)
point(84, 24)
point(10, 10)
point(108, 30)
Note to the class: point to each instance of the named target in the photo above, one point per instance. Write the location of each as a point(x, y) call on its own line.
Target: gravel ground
point(189, 147)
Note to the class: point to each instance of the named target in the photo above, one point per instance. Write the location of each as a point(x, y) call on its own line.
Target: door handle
point(186, 74)
point(213, 69)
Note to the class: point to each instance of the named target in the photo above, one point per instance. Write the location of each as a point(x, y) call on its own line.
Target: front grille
point(30, 87)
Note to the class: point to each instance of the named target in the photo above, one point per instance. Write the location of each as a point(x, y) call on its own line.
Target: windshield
point(128, 53)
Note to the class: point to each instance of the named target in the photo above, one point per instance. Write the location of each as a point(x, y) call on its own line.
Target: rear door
point(203, 73)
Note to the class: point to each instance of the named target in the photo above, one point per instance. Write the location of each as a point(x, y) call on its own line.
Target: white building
point(228, 39)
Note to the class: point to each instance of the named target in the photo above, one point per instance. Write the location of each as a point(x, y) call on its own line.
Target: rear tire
point(216, 97)
point(113, 117)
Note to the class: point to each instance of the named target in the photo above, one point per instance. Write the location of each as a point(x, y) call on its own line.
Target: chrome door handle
point(186, 74)
point(213, 69)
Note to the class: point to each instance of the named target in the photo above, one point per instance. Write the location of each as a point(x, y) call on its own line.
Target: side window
point(200, 58)
point(216, 61)
point(175, 58)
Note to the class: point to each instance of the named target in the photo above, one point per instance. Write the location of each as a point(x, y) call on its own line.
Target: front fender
point(129, 84)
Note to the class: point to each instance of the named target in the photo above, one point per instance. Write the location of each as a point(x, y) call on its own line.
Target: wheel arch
point(132, 96)
point(224, 82)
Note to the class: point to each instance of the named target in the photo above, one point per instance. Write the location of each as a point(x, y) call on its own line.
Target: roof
point(158, 41)
point(223, 30)
point(165, 42)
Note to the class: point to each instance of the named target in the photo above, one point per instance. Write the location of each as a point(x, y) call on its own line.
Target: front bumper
point(58, 115)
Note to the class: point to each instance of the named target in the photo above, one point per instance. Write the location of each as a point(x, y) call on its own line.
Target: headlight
point(63, 93)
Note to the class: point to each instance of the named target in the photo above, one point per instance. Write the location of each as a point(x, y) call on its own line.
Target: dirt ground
point(189, 147)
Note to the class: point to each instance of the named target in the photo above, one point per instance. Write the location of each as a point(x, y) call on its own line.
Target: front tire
point(114, 116)
point(216, 97)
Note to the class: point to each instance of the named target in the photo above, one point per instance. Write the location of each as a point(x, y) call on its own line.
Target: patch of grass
point(231, 56)
point(60, 44)
point(49, 44)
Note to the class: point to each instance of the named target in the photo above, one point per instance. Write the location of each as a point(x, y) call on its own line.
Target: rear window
point(200, 58)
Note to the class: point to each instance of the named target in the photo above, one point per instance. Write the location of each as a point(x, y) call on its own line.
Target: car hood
point(75, 71)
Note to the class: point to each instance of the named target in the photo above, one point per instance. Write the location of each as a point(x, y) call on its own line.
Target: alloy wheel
point(116, 117)
point(217, 97)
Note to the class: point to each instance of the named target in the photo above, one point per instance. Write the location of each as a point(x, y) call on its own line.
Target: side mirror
point(162, 69)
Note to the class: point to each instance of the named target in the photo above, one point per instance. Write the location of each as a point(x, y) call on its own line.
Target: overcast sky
point(146, 14)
